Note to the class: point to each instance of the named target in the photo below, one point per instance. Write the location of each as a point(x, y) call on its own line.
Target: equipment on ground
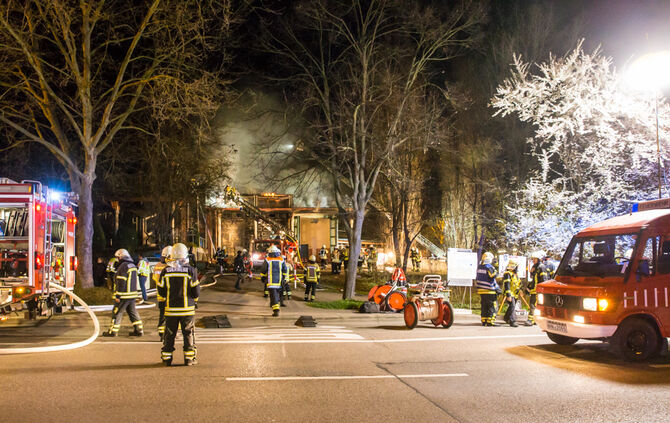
point(391, 296)
point(432, 303)
point(37, 247)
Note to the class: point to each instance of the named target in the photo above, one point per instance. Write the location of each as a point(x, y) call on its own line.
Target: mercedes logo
point(558, 300)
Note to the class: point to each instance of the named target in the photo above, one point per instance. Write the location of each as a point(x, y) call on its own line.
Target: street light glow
point(650, 72)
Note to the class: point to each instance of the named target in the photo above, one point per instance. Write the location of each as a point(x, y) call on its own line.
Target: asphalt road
point(349, 368)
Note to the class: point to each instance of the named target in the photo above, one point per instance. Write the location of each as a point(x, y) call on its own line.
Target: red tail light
point(74, 220)
point(39, 261)
point(38, 207)
point(74, 263)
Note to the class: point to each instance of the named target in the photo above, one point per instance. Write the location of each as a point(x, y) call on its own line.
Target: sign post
point(461, 269)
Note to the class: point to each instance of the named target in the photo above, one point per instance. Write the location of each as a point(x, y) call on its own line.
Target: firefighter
point(286, 283)
point(538, 274)
point(156, 276)
point(238, 266)
point(273, 273)
point(312, 277)
point(549, 265)
point(511, 285)
point(372, 259)
point(179, 285)
point(323, 256)
point(335, 261)
point(247, 263)
point(125, 294)
point(415, 255)
point(221, 256)
point(143, 272)
point(488, 289)
point(111, 270)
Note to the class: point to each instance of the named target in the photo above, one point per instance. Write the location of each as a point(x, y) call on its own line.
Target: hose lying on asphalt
point(51, 348)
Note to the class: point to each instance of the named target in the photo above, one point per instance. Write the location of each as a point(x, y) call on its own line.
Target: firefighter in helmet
point(511, 285)
point(312, 277)
point(345, 257)
point(372, 259)
point(538, 274)
point(180, 287)
point(323, 255)
point(156, 276)
point(273, 273)
point(286, 283)
point(125, 293)
point(488, 289)
point(335, 261)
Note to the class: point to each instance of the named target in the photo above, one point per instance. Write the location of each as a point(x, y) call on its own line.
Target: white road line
point(336, 341)
point(239, 379)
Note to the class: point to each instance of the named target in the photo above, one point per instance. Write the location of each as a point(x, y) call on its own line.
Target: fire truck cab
point(613, 284)
point(37, 247)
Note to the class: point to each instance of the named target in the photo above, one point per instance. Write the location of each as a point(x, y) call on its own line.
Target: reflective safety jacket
point(143, 268)
point(158, 269)
point(345, 254)
point(538, 274)
point(111, 265)
point(312, 273)
point(511, 283)
point(336, 256)
point(323, 254)
point(486, 279)
point(179, 289)
point(372, 257)
point(274, 271)
point(125, 280)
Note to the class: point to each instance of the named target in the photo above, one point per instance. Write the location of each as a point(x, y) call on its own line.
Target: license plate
point(557, 326)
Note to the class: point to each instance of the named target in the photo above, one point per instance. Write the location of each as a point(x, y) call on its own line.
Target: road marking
point(659, 366)
point(278, 334)
point(337, 341)
point(239, 379)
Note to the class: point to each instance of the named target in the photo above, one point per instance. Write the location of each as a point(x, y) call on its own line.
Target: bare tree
point(348, 63)
point(76, 72)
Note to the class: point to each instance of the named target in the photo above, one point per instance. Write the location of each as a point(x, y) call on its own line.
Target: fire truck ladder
point(256, 214)
point(48, 277)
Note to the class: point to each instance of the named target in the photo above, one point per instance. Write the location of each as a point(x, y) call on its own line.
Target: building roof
point(629, 223)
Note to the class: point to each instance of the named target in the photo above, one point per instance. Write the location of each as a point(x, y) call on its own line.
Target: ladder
point(48, 246)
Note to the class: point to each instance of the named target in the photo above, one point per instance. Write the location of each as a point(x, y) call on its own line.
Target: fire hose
point(51, 348)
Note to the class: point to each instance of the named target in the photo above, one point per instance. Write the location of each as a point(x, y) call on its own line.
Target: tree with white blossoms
point(594, 145)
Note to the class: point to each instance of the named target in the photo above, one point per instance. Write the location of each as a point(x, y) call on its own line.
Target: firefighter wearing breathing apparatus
point(487, 288)
point(312, 276)
point(180, 288)
point(538, 274)
point(273, 274)
point(511, 286)
point(156, 276)
point(125, 293)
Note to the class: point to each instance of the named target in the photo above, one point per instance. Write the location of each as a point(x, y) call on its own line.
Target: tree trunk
point(354, 253)
point(85, 230)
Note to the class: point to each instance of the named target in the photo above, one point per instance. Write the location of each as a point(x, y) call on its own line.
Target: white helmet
point(166, 251)
point(487, 258)
point(179, 252)
point(273, 249)
point(121, 253)
point(312, 258)
point(537, 255)
point(323, 246)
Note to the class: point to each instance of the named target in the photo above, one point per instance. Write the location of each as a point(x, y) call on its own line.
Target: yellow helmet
point(511, 265)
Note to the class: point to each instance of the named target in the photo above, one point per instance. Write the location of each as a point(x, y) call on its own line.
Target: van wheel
point(561, 339)
point(635, 340)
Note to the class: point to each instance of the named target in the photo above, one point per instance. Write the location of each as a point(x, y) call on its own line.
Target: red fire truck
point(37, 246)
point(612, 285)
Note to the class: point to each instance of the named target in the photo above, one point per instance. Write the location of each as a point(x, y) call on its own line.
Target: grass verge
point(337, 304)
point(95, 295)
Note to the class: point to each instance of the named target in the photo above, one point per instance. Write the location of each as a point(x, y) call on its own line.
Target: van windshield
point(598, 256)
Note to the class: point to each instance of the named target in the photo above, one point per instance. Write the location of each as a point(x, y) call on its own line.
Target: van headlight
point(590, 304)
point(540, 299)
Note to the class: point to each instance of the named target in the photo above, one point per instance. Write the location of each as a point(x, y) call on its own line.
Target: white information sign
point(461, 267)
point(503, 259)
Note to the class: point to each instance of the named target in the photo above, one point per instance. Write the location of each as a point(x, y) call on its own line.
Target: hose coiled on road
point(51, 348)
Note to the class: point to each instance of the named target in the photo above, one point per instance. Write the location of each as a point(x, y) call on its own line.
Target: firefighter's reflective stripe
point(275, 271)
point(126, 286)
point(511, 283)
point(486, 279)
point(312, 273)
point(179, 288)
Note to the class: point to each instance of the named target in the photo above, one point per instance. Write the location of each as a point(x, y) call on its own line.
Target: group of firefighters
point(178, 289)
point(512, 290)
